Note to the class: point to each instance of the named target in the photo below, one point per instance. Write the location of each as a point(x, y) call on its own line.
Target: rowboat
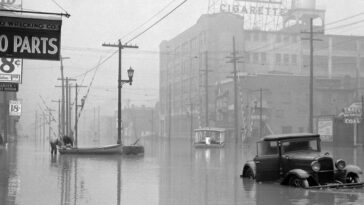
point(109, 149)
point(209, 137)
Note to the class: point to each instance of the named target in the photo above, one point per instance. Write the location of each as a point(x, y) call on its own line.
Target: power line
point(59, 6)
point(160, 11)
point(163, 17)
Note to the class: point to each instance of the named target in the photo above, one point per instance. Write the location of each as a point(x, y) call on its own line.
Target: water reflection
point(273, 193)
point(170, 172)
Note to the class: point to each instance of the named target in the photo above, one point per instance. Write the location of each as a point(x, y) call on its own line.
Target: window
point(280, 113)
point(278, 38)
point(294, 59)
point(247, 36)
point(286, 129)
point(301, 129)
point(278, 59)
point(247, 57)
point(300, 145)
point(263, 57)
point(256, 36)
point(255, 57)
point(264, 37)
point(294, 39)
point(286, 38)
point(267, 148)
point(286, 59)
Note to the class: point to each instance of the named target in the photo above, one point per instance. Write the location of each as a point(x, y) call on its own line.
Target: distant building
point(202, 50)
point(10, 121)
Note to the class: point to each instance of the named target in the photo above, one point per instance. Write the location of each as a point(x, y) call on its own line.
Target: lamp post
point(121, 82)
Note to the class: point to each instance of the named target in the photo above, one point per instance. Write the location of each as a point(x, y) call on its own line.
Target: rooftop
point(289, 136)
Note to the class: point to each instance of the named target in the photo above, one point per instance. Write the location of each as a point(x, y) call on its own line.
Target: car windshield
point(301, 145)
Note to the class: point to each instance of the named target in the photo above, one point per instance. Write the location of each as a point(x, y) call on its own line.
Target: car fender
point(300, 173)
point(353, 169)
point(251, 165)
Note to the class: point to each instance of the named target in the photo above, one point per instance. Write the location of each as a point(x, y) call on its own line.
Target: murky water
point(170, 172)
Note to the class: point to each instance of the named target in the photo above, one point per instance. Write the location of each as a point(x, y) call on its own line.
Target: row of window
point(261, 36)
point(286, 59)
point(280, 59)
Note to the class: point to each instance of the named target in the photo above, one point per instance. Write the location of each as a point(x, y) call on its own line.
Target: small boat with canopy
point(209, 137)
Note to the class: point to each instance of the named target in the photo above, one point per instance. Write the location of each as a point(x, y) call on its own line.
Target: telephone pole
point(59, 116)
point(206, 90)
point(65, 104)
point(311, 39)
point(76, 112)
point(120, 47)
point(234, 59)
point(63, 97)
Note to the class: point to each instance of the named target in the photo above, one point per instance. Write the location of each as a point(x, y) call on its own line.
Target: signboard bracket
point(37, 12)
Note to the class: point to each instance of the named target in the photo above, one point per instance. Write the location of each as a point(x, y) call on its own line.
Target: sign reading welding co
point(30, 38)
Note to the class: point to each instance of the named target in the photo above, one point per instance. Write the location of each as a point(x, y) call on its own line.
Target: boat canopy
point(209, 135)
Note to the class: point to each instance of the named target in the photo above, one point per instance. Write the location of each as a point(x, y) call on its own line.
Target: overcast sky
point(93, 22)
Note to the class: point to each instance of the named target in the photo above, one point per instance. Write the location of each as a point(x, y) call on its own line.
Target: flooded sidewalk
point(170, 172)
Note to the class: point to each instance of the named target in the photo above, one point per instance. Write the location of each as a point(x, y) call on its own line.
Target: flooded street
point(170, 172)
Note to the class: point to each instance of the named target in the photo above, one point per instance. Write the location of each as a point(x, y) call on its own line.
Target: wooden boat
point(109, 149)
point(133, 150)
point(209, 137)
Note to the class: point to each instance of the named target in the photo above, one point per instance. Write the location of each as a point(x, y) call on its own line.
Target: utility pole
point(234, 60)
point(49, 122)
point(206, 87)
point(6, 114)
point(76, 112)
point(206, 90)
point(311, 39)
point(67, 108)
point(59, 116)
point(169, 111)
point(63, 97)
point(120, 47)
point(261, 113)
point(35, 127)
point(65, 104)
point(68, 87)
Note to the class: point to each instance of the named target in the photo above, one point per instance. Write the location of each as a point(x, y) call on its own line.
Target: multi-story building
point(198, 59)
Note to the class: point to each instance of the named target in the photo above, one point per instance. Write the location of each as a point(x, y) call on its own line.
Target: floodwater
point(170, 172)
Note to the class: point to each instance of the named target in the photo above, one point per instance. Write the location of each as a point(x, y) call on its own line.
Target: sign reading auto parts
point(30, 38)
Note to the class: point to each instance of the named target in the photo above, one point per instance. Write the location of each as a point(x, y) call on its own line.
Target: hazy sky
point(93, 22)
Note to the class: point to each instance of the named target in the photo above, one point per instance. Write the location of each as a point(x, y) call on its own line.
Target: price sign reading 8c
point(7, 66)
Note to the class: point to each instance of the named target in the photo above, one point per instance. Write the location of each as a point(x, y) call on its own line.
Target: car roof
point(218, 129)
point(289, 136)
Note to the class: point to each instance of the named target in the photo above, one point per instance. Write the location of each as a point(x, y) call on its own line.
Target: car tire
point(352, 178)
point(249, 174)
point(297, 182)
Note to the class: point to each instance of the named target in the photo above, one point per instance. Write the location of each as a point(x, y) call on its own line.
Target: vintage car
point(296, 160)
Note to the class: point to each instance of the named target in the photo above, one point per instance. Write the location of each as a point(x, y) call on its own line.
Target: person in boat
point(54, 143)
point(67, 141)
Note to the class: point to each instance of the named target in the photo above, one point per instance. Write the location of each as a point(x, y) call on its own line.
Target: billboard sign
point(353, 113)
point(9, 87)
point(14, 108)
point(11, 70)
point(325, 129)
point(30, 38)
point(11, 3)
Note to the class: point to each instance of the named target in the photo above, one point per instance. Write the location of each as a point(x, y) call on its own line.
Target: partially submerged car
point(296, 160)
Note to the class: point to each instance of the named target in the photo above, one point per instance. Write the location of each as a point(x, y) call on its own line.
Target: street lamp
point(130, 75)
point(121, 82)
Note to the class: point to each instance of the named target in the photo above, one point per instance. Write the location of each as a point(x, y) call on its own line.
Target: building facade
point(196, 61)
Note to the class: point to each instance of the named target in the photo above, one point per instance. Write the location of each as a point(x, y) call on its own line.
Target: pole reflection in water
point(94, 180)
point(173, 172)
point(9, 180)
